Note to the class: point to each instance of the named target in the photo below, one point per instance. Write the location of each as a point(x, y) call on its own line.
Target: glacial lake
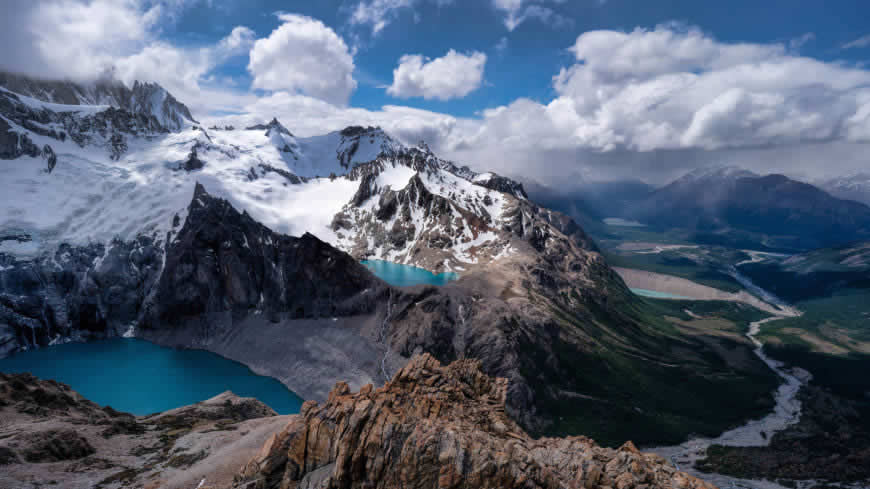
point(658, 295)
point(405, 275)
point(141, 378)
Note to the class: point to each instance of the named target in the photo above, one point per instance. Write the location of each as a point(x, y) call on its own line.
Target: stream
point(756, 432)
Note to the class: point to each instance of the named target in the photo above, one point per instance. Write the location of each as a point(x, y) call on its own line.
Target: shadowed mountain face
point(772, 210)
point(818, 273)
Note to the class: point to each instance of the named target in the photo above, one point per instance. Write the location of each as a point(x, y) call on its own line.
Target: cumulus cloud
point(71, 38)
point(304, 56)
point(673, 88)
point(518, 11)
point(453, 75)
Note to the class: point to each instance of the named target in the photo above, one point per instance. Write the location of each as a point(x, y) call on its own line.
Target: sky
point(557, 91)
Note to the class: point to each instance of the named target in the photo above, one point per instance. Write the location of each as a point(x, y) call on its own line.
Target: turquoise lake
point(405, 275)
point(658, 295)
point(139, 377)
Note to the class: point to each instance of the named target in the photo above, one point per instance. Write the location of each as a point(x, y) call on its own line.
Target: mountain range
point(247, 241)
point(736, 207)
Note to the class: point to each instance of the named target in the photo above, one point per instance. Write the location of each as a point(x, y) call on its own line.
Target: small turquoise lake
point(406, 275)
point(139, 377)
point(658, 295)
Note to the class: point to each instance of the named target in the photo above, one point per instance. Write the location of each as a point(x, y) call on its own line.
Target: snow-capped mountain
point(852, 187)
point(149, 99)
point(715, 174)
point(94, 173)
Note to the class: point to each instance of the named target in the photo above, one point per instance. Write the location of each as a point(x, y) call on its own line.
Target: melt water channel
point(757, 432)
point(141, 378)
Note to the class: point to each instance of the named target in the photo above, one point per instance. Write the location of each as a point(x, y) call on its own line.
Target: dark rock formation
point(80, 292)
point(223, 260)
point(440, 427)
point(193, 162)
point(51, 158)
point(14, 144)
point(54, 446)
point(273, 125)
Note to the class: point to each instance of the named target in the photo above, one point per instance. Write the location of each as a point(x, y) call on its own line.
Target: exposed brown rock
point(440, 427)
point(55, 445)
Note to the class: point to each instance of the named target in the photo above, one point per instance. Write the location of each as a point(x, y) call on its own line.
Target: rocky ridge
point(440, 426)
point(51, 436)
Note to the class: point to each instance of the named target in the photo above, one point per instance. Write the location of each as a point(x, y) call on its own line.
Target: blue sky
point(535, 50)
point(555, 90)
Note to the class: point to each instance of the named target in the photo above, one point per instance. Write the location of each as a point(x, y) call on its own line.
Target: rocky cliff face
point(440, 426)
point(145, 98)
point(222, 260)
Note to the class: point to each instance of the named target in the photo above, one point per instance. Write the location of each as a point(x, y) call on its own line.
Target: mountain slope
point(143, 98)
point(185, 238)
point(852, 187)
point(772, 210)
point(813, 274)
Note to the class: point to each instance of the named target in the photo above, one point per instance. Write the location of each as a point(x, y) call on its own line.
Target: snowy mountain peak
point(151, 98)
point(273, 125)
point(146, 99)
point(730, 172)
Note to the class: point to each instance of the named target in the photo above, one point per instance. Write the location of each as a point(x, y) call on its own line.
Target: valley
point(335, 263)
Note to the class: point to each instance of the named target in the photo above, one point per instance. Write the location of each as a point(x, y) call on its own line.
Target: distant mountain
point(145, 98)
point(853, 187)
point(734, 206)
point(589, 203)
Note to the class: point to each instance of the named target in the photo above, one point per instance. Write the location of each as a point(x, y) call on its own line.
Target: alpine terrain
point(122, 215)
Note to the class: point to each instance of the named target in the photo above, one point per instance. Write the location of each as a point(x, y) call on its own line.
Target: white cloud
point(861, 42)
point(672, 88)
point(71, 38)
point(515, 14)
point(646, 103)
point(304, 56)
point(454, 75)
point(380, 13)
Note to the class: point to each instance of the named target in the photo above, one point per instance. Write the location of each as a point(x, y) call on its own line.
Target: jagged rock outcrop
point(110, 128)
point(52, 436)
point(435, 426)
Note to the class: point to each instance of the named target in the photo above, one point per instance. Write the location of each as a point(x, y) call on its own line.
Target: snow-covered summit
point(716, 173)
point(151, 98)
point(147, 99)
point(83, 174)
point(335, 153)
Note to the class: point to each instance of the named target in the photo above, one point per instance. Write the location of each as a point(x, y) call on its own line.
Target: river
point(757, 432)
